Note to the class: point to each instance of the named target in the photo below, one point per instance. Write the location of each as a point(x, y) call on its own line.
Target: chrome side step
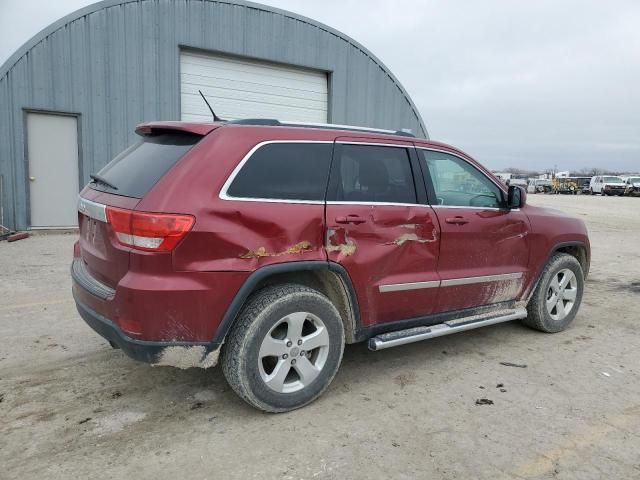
point(410, 335)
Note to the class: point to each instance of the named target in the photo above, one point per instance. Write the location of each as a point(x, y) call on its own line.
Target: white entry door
point(52, 150)
point(245, 88)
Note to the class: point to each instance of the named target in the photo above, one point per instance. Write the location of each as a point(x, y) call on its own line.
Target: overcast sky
point(526, 84)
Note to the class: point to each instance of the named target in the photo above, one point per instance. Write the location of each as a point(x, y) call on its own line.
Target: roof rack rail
point(256, 121)
point(331, 126)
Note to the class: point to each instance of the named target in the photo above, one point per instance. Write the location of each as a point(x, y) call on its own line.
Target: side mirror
point(516, 197)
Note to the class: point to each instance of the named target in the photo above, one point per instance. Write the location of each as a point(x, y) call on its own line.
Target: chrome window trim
point(94, 210)
point(477, 208)
point(380, 204)
point(452, 282)
point(399, 287)
point(223, 195)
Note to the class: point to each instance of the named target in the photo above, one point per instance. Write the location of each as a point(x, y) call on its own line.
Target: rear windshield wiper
point(98, 179)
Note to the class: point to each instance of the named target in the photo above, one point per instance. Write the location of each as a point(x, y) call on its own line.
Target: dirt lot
point(71, 407)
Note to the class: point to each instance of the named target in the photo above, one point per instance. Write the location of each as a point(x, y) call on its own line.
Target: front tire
point(558, 295)
point(285, 348)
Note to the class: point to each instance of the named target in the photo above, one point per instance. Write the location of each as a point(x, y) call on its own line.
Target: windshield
point(633, 179)
point(612, 179)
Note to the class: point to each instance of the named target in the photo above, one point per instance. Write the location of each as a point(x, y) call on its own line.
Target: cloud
point(526, 84)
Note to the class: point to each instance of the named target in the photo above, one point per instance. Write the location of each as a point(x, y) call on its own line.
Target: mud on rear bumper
point(175, 354)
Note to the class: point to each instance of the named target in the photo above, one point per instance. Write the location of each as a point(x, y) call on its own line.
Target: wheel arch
point(576, 248)
point(329, 278)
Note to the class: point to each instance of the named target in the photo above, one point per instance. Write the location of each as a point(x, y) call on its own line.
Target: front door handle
point(457, 220)
point(356, 219)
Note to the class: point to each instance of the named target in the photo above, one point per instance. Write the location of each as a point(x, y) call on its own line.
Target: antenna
point(215, 117)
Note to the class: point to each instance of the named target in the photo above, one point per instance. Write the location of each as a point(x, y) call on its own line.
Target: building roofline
point(55, 26)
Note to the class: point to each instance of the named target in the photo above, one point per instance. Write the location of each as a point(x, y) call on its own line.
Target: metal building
point(71, 96)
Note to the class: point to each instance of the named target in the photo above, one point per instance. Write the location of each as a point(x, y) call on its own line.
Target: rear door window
point(373, 174)
point(139, 167)
point(284, 171)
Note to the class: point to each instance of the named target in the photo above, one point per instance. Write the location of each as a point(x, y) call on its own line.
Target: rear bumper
point(176, 354)
point(155, 304)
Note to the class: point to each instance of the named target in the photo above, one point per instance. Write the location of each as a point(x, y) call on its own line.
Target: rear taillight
point(152, 232)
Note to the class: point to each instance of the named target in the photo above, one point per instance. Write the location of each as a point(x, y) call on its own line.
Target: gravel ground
point(70, 406)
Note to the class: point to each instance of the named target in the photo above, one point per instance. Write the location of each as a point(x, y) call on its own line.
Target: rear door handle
point(457, 220)
point(356, 219)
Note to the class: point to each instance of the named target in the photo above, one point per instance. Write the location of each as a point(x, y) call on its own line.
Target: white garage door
point(240, 88)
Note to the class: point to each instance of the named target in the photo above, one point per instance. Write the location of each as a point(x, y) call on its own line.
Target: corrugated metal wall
point(116, 64)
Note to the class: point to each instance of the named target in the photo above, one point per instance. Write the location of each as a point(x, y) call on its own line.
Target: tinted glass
point(139, 167)
point(458, 183)
point(285, 171)
point(374, 174)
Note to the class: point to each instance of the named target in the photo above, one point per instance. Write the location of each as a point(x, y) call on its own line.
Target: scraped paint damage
point(339, 242)
point(412, 237)
point(299, 247)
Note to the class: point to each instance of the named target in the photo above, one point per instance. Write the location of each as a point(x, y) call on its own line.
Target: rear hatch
point(107, 205)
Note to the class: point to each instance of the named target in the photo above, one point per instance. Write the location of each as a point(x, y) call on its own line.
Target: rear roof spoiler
point(197, 128)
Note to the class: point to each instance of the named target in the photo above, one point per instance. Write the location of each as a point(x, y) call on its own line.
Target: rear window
point(284, 171)
point(139, 167)
point(374, 174)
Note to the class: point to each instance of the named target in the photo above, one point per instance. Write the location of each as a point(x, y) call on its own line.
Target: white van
point(606, 185)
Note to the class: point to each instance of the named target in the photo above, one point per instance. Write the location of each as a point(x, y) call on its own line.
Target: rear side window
point(139, 167)
point(284, 171)
point(368, 173)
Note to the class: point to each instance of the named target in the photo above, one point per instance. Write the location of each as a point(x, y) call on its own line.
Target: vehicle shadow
point(105, 382)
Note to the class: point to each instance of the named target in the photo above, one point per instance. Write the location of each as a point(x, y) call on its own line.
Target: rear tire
point(285, 348)
point(557, 297)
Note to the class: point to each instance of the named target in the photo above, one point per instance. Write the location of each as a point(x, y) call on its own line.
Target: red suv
point(271, 245)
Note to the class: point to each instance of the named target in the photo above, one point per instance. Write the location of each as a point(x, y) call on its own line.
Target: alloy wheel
point(293, 352)
point(561, 294)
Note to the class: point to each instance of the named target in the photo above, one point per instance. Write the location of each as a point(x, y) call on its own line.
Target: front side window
point(368, 173)
point(284, 171)
point(458, 183)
